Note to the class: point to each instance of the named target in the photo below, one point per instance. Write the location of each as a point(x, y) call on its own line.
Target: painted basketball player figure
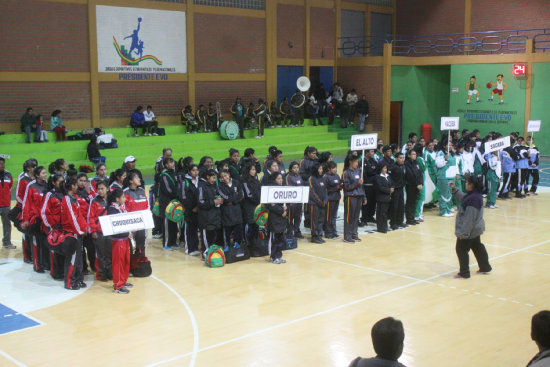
point(471, 88)
point(500, 88)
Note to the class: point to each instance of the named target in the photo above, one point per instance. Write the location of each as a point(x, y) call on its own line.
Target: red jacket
point(21, 188)
point(6, 183)
point(32, 203)
point(51, 209)
point(135, 199)
point(95, 181)
point(97, 209)
point(72, 220)
point(84, 199)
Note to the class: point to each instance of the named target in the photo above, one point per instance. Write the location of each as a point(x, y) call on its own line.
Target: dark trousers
point(72, 270)
point(330, 219)
point(88, 251)
point(56, 263)
point(6, 225)
point(397, 207)
point(139, 238)
point(367, 211)
point(352, 208)
point(463, 247)
point(307, 216)
point(251, 234)
point(506, 178)
point(299, 115)
point(294, 219)
point(209, 237)
point(27, 248)
point(240, 121)
point(40, 251)
point(191, 237)
point(276, 243)
point(534, 184)
point(523, 178)
point(514, 181)
point(287, 120)
point(159, 224)
point(170, 234)
point(104, 256)
point(235, 231)
point(144, 127)
point(317, 217)
point(410, 206)
point(261, 122)
point(382, 216)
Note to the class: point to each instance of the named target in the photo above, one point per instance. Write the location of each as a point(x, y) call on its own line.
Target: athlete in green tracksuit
point(422, 193)
point(429, 160)
point(492, 180)
point(446, 172)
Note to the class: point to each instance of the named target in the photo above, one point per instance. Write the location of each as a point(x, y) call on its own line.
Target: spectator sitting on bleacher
point(56, 124)
point(151, 120)
point(28, 121)
point(387, 336)
point(93, 151)
point(138, 120)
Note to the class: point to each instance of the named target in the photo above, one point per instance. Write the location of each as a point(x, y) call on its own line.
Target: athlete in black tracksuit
point(210, 217)
point(305, 171)
point(188, 196)
point(354, 196)
point(370, 170)
point(232, 217)
point(167, 192)
point(414, 179)
point(334, 185)
point(294, 216)
point(251, 199)
point(383, 187)
point(397, 206)
point(318, 200)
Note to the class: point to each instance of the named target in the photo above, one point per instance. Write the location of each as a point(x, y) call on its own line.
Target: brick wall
point(121, 99)
point(322, 33)
point(226, 92)
point(72, 98)
point(43, 36)
point(229, 44)
point(490, 15)
point(291, 28)
point(366, 80)
point(415, 17)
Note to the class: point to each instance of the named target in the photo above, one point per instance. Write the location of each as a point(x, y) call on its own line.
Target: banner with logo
point(126, 222)
point(132, 40)
point(284, 194)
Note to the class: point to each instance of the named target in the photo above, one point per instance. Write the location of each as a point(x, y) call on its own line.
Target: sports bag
point(174, 211)
point(215, 258)
point(140, 266)
point(261, 246)
point(15, 215)
point(290, 243)
point(261, 214)
point(236, 252)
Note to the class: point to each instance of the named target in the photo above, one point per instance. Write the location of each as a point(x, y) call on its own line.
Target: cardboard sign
point(126, 222)
point(364, 141)
point(449, 123)
point(533, 126)
point(497, 144)
point(284, 194)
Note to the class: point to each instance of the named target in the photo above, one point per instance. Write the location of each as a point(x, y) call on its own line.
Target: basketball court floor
point(315, 310)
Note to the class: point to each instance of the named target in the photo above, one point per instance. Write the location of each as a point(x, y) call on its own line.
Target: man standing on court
point(6, 183)
point(238, 112)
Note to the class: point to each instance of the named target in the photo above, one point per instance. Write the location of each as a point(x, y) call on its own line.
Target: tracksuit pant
point(235, 231)
point(514, 181)
point(261, 122)
point(523, 178)
point(170, 234)
point(6, 225)
point(367, 211)
point(71, 249)
point(492, 187)
point(420, 202)
point(209, 237)
point(240, 121)
point(535, 174)
point(317, 217)
point(506, 179)
point(330, 219)
point(251, 231)
point(139, 238)
point(445, 197)
point(382, 216)
point(191, 237)
point(56, 263)
point(352, 208)
point(121, 262)
point(104, 256)
point(299, 117)
point(27, 248)
point(397, 207)
point(88, 251)
point(463, 247)
point(276, 243)
point(40, 252)
point(410, 206)
point(294, 219)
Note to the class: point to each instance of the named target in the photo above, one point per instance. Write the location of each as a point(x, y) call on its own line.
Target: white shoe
point(276, 261)
point(493, 207)
point(447, 215)
point(195, 253)
point(135, 134)
point(155, 134)
point(258, 137)
point(452, 210)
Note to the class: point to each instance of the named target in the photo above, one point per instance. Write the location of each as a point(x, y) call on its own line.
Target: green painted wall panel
point(540, 105)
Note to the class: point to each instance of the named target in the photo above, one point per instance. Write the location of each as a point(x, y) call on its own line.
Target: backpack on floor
point(215, 258)
point(159, 131)
point(140, 266)
point(261, 246)
point(290, 243)
point(236, 252)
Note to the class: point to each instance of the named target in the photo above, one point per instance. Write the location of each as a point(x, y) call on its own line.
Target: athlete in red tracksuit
point(102, 244)
point(51, 217)
point(121, 245)
point(136, 200)
point(22, 182)
point(67, 240)
point(84, 196)
point(32, 220)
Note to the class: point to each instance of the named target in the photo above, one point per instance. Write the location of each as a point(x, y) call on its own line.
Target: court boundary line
point(193, 323)
point(10, 358)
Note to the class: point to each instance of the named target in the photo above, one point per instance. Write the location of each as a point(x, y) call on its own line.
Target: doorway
point(320, 75)
point(396, 122)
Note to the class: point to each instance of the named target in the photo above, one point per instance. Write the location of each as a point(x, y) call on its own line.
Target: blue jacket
point(523, 160)
point(534, 158)
point(137, 118)
point(508, 164)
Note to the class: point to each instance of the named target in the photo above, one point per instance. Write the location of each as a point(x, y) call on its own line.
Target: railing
point(491, 42)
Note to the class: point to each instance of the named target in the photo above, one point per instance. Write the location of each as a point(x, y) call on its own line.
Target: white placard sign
point(497, 144)
point(132, 40)
point(284, 194)
point(126, 222)
point(364, 141)
point(533, 126)
point(449, 123)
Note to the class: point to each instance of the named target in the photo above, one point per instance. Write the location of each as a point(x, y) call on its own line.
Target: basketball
point(489, 85)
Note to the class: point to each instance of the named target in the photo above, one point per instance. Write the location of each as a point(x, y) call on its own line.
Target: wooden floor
point(315, 310)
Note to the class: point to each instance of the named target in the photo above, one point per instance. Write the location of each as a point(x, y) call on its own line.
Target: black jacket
point(294, 180)
point(370, 170)
point(389, 162)
point(210, 216)
point(398, 176)
point(350, 179)
point(318, 191)
point(234, 171)
point(383, 188)
point(275, 222)
point(168, 189)
point(362, 107)
point(306, 165)
point(251, 191)
point(246, 161)
point(231, 207)
point(187, 194)
point(334, 186)
point(413, 175)
point(93, 150)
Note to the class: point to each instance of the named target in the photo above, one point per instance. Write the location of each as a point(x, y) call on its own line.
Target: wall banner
point(132, 40)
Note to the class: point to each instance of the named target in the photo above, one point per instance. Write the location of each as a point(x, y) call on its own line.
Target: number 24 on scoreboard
point(520, 69)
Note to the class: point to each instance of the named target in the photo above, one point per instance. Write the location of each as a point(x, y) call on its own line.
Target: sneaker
point(501, 102)
point(380, 231)
point(195, 253)
point(282, 260)
point(40, 271)
point(468, 102)
point(357, 239)
point(276, 261)
point(403, 225)
point(157, 236)
point(135, 134)
point(122, 290)
point(362, 224)
point(447, 215)
point(316, 240)
point(74, 287)
point(493, 206)
point(10, 246)
point(155, 134)
point(458, 276)
point(453, 209)
point(176, 246)
point(128, 285)
point(167, 248)
point(258, 137)
point(483, 272)
point(346, 240)
point(298, 235)
point(535, 193)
